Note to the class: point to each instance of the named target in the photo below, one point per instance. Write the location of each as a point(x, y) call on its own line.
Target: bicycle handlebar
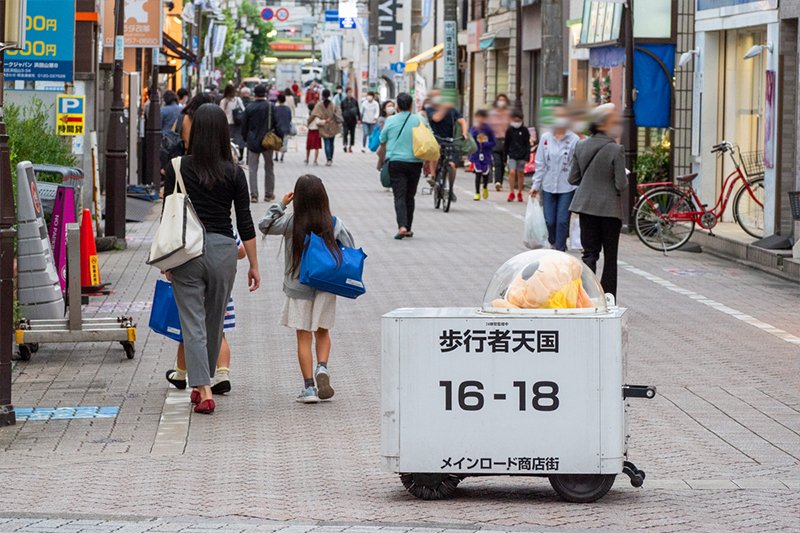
point(723, 147)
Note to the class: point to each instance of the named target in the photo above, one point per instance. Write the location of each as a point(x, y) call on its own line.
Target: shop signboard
point(735, 7)
point(70, 114)
point(450, 75)
point(502, 394)
point(474, 32)
point(388, 21)
point(49, 50)
point(142, 23)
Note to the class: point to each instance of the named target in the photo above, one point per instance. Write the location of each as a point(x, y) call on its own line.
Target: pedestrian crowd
point(576, 167)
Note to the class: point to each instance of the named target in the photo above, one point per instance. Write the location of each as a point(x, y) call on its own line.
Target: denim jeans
point(328, 143)
point(367, 132)
point(556, 215)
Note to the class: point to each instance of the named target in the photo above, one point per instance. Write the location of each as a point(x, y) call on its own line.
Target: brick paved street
point(720, 443)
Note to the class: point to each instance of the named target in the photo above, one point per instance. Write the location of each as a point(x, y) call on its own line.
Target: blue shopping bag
point(164, 318)
point(374, 140)
point(320, 269)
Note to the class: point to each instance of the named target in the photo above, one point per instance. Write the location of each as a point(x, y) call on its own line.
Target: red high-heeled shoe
point(206, 407)
point(195, 397)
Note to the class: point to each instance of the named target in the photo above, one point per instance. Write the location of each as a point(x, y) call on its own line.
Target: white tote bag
point(181, 236)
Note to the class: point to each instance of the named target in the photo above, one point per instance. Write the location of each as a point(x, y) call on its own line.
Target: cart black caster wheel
point(34, 347)
point(24, 352)
point(130, 349)
point(430, 486)
point(582, 488)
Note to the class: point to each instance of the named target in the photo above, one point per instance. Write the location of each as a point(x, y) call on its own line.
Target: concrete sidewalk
point(720, 444)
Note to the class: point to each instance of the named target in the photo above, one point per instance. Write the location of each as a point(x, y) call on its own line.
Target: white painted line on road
point(173, 428)
point(744, 317)
point(722, 308)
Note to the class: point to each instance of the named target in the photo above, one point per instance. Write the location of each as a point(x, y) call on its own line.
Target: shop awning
point(178, 50)
point(425, 57)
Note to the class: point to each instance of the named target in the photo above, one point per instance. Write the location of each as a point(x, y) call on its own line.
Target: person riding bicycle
point(442, 117)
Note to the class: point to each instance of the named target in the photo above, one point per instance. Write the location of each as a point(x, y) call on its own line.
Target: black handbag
point(171, 144)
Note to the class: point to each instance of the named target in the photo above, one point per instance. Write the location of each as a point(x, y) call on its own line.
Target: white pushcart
point(490, 391)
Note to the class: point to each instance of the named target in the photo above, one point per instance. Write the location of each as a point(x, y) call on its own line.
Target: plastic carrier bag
point(535, 227)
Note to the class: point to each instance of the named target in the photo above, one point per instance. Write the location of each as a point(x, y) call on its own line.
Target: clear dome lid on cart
point(544, 281)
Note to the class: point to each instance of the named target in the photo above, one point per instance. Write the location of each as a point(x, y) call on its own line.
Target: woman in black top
point(203, 286)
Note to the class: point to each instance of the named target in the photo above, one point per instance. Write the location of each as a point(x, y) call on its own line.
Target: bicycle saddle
point(687, 178)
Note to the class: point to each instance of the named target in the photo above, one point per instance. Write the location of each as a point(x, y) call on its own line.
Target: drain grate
point(28, 414)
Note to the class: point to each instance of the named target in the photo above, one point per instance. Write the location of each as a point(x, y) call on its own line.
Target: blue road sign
point(332, 15)
point(267, 13)
point(398, 68)
point(49, 51)
point(347, 23)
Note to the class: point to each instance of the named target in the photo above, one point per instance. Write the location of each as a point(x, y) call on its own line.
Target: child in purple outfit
point(482, 159)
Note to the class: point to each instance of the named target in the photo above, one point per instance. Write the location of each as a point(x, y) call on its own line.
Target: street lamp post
point(7, 233)
point(153, 131)
point(518, 52)
point(117, 142)
point(628, 118)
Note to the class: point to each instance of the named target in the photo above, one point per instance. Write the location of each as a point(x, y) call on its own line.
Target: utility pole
point(374, 39)
point(518, 63)
point(8, 218)
point(153, 130)
point(450, 77)
point(552, 65)
point(628, 118)
point(117, 141)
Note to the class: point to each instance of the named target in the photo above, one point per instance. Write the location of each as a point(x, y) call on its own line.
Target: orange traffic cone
point(90, 265)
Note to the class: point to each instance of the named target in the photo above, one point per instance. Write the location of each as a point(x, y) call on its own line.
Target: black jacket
point(350, 111)
point(255, 122)
point(518, 143)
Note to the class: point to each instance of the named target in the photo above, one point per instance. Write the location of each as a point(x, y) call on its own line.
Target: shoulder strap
point(179, 185)
point(583, 171)
point(402, 127)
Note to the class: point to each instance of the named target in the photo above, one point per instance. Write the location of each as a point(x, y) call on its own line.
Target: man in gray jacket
point(598, 170)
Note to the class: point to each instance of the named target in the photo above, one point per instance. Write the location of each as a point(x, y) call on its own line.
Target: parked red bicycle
point(666, 213)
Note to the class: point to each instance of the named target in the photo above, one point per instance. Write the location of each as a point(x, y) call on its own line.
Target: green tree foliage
point(235, 38)
point(32, 138)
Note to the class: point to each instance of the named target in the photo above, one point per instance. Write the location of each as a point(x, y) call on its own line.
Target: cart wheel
point(430, 486)
point(582, 488)
point(130, 349)
point(34, 347)
point(24, 352)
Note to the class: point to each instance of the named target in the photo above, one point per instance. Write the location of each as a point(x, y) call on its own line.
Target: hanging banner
point(142, 23)
point(49, 51)
point(769, 120)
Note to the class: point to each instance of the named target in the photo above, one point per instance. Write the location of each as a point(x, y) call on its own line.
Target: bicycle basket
point(794, 202)
point(752, 163)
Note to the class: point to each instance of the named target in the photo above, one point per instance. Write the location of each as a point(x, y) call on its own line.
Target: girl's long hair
point(312, 214)
point(210, 145)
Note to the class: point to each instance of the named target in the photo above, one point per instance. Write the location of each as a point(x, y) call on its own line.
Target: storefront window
point(652, 19)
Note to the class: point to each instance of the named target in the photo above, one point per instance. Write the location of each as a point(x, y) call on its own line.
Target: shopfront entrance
point(741, 107)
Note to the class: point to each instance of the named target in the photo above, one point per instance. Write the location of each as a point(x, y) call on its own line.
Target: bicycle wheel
point(447, 190)
point(746, 211)
point(437, 188)
point(654, 224)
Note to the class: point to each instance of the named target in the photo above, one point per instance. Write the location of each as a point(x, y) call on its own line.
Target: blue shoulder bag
point(320, 269)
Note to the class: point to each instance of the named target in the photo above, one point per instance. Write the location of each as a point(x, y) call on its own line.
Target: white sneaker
point(323, 378)
point(308, 395)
